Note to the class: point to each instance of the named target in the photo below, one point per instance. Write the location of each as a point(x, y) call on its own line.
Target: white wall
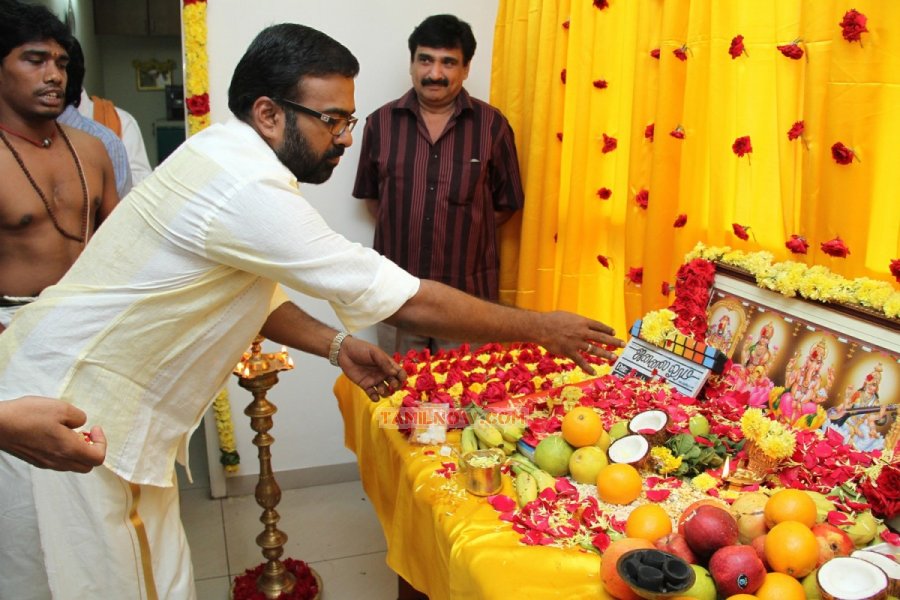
point(308, 427)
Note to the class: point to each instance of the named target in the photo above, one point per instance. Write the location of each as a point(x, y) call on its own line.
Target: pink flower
point(642, 198)
point(609, 144)
point(604, 193)
point(741, 146)
point(796, 130)
point(853, 25)
point(835, 247)
point(797, 244)
point(842, 154)
point(737, 46)
point(680, 220)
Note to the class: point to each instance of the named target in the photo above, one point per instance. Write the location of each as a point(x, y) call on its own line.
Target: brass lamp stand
point(258, 373)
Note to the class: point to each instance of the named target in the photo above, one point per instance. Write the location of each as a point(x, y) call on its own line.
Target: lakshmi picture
point(726, 320)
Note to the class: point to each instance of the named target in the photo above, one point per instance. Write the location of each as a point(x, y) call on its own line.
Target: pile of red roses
point(692, 284)
point(305, 588)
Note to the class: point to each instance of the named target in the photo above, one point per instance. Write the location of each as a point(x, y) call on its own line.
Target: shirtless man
point(57, 182)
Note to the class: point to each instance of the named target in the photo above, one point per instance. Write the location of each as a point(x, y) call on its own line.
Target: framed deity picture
point(832, 367)
point(153, 75)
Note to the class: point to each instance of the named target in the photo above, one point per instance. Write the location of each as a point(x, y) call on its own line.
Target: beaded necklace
point(86, 211)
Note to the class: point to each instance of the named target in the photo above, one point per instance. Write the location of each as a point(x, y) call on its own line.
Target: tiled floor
point(332, 527)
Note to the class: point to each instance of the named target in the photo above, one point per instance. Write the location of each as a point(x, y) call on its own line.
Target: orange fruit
point(778, 586)
point(582, 427)
point(612, 583)
point(649, 522)
point(790, 505)
point(619, 484)
point(791, 548)
point(742, 597)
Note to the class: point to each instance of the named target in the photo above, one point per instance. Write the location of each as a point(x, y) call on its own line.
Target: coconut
point(631, 450)
point(886, 564)
point(651, 424)
point(848, 578)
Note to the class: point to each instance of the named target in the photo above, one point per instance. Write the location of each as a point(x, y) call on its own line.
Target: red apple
point(832, 542)
point(674, 543)
point(759, 544)
point(709, 528)
point(687, 512)
point(736, 570)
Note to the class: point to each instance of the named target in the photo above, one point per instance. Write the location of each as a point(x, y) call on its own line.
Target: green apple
point(704, 587)
point(618, 429)
point(699, 425)
point(811, 586)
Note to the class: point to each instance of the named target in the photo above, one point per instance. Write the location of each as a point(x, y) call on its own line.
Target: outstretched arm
point(441, 311)
point(40, 431)
point(366, 365)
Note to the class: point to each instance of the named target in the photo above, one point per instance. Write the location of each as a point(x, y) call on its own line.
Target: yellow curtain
point(582, 82)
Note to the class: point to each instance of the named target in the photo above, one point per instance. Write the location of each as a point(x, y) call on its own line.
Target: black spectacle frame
point(337, 125)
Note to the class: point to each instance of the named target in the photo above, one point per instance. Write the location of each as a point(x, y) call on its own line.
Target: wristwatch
point(335, 348)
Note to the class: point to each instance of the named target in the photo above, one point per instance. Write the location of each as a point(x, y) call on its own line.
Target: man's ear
point(267, 118)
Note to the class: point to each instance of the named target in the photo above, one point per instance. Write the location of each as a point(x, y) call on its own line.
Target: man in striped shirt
point(438, 170)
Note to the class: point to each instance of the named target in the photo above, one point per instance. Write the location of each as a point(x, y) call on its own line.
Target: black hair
point(443, 31)
point(75, 74)
point(278, 58)
point(22, 23)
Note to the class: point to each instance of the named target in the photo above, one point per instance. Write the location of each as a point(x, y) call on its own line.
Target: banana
point(467, 441)
point(511, 432)
point(487, 433)
point(507, 447)
point(544, 479)
point(526, 488)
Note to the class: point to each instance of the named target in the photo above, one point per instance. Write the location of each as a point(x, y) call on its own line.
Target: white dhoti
point(74, 536)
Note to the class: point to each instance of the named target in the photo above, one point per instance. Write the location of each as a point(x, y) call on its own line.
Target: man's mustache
point(429, 81)
point(335, 152)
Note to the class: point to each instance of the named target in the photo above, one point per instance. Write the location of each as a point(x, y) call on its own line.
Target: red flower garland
point(692, 284)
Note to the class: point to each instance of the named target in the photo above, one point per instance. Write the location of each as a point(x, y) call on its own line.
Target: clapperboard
point(684, 363)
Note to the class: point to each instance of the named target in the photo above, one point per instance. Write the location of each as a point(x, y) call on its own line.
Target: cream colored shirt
point(150, 320)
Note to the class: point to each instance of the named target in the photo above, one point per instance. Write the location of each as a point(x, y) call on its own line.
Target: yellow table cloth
point(446, 543)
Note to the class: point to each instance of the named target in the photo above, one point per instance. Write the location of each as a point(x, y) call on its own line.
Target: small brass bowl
point(482, 479)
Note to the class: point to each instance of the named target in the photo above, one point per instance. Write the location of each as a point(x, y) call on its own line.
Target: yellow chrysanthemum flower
point(704, 482)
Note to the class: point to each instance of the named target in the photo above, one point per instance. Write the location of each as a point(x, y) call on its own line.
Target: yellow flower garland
point(196, 67)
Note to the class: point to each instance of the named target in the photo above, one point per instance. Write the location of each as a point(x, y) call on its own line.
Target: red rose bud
point(565, 24)
point(642, 198)
point(655, 53)
point(604, 193)
point(842, 154)
point(680, 221)
point(609, 144)
point(636, 275)
point(895, 268)
point(792, 51)
point(559, 135)
point(562, 76)
point(680, 53)
point(741, 146)
point(740, 231)
point(601, 84)
point(797, 244)
point(835, 247)
point(603, 260)
point(677, 133)
point(853, 25)
point(601, 4)
point(648, 131)
point(737, 46)
point(796, 130)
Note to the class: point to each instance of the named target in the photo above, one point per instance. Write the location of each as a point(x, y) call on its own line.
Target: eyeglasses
point(337, 125)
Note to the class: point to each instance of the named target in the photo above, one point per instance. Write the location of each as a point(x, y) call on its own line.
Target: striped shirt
point(114, 146)
point(146, 326)
point(437, 200)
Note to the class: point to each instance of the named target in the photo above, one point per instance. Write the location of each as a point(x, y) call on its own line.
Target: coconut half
point(848, 578)
point(886, 564)
point(651, 424)
point(631, 450)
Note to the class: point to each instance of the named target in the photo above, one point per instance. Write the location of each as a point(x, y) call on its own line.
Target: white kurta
point(148, 323)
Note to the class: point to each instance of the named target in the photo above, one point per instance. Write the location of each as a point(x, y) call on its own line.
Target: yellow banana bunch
point(487, 433)
point(526, 488)
point(519, 463)
point(511, 432)
point(507, 447)
point(467, 441)
point(544, 479)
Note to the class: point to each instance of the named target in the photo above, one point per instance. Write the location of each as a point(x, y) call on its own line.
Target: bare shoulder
point(89, 148)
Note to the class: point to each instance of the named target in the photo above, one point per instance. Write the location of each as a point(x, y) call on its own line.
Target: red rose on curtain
point(655, 53)
point(677, 133)
point(835, 247)
point(741, 146)
point(559, 135)
point(636, 275)
point(792, 51)
point(680, 53)
point(853, 25)
point(565, 25)
point(648, 131)
point(609, 143)
point(562, 76)
point(797, 244)
point(796, 130)
point(665, 288)
point(601, 84)
point(737, 47)
point(601, 4)
point(740, 231)
point(603, 260)
point(842, 154)
point(642, 198)
point(198, 105)
point(680, 221)
point(604, 193)
point(895, 269)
